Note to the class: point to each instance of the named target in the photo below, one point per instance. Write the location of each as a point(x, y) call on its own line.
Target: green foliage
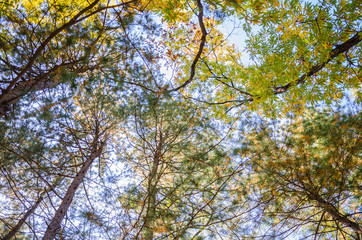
point(302, 168)
point(159, 84)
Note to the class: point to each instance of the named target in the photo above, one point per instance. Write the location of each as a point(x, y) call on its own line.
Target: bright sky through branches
point(164, 119)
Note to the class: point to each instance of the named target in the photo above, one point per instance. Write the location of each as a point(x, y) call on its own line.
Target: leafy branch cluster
point(139, 120)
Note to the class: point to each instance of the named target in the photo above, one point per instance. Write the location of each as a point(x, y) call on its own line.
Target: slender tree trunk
point(15, 229)
point(151, 209)
point(152, 192)
point(149, 231)
point(54, 225)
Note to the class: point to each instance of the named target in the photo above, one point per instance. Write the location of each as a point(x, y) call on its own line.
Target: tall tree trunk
point(150, 215)
point(54, 225)
point(15, 229)
point(152, 192)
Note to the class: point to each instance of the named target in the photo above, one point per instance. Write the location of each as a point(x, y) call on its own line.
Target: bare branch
point(201, 47)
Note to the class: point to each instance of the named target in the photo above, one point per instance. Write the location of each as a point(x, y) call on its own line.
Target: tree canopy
point(142, 120)
point(315, 165)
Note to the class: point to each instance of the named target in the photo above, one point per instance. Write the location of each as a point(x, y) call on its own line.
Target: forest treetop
point(301, 52)
point(139, 120)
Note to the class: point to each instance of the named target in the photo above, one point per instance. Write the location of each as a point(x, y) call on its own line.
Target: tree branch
point(15, 89)
point(333, 211)
point(201, 47)
point(353, 41)
point(42, 46)
point(15, 229)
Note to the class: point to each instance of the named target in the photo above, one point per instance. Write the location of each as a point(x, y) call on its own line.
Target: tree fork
point(328, 207)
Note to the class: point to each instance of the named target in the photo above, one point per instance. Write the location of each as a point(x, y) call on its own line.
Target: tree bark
point(42, 46)
point(20, 85)
point(15, 229)
point(333, 211)
point(58, 217)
